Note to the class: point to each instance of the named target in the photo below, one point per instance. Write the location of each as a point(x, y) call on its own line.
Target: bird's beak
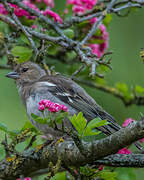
point(13, 75)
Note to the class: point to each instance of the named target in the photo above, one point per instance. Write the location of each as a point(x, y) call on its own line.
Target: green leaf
point(83, 24)
point(107, 175)
point(107, 19)
point(21, 53)
point(38, 119)
point(125, 174)
point(79, 123)
point(90, 132)
point(13, 133)
point(69, 33)
point(53, 49)
point(24, 39)
point(97, 122)
point(2, 152)
point(139, 90)
point(122, 87)
point(22, 145)
point(61, 116)
point(3, 127)
point(59, 176)
point(92, 125)
point(28, 125)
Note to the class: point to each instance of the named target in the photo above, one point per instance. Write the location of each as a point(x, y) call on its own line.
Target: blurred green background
point(125, 40)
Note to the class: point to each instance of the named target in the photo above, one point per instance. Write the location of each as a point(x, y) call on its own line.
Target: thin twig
point(28, 35)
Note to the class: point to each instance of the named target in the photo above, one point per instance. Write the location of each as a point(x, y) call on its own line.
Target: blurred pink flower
point(127, 122)
point(18, 11)
point(64, 108)
point(124, 151)
point(78, 9)
point(54, 15)
point(3, 10)
point(96, 49)
point(49, 3)
point(27, 178)
point(141, 140)
point(34, 26)
point(41, 107)
point(80, 6)
point(99, 49)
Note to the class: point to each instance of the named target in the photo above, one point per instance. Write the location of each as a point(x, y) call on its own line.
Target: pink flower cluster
point(49, 3)
point(127, 122)
point(80, 6)
point(27, 178)
point(124, 151)
point(51, 106)
point(54, 15)
point(21, 12)
point(18, 11)
point(99, 49)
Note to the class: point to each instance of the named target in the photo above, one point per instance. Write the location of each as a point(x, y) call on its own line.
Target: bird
point(34, 85)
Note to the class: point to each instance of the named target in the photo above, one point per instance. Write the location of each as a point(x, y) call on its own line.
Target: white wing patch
point(47, 83)
point(63, 94)
point(70, 100)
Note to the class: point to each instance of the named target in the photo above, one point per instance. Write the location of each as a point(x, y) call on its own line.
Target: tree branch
point(137, 100)
point(69, 154)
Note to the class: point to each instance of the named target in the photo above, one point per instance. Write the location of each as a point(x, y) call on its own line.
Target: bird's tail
point(113, 127)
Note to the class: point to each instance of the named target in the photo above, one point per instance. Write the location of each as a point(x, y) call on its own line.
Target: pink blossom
point(48, 104)
point(3, 10)
point(27, 178)
point(20, 12)
point(43, 101)
point(51, 106)
point(64, 108)
point(141, 140)
point(49, 3)
point(31, 5)
point(102, 28)
point(99, 49)
point(93, 20)
point(34, 26)
point(41, 107)
point(96, 49)
point(80, 6)
point(124, 151)
point(78, 9)
point(66, 11)
point(54, 15)
point(127, 122)
point(75, 2)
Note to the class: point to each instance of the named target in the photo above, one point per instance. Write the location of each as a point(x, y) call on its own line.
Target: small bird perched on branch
point(34, 85)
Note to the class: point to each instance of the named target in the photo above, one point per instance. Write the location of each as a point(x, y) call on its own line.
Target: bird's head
point(26, 72)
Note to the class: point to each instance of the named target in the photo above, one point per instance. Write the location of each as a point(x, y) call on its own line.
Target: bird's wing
point(75, 96)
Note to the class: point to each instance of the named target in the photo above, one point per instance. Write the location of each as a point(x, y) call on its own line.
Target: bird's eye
point(24, 69)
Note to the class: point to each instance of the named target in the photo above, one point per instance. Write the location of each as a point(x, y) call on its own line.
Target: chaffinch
point(34, 85)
